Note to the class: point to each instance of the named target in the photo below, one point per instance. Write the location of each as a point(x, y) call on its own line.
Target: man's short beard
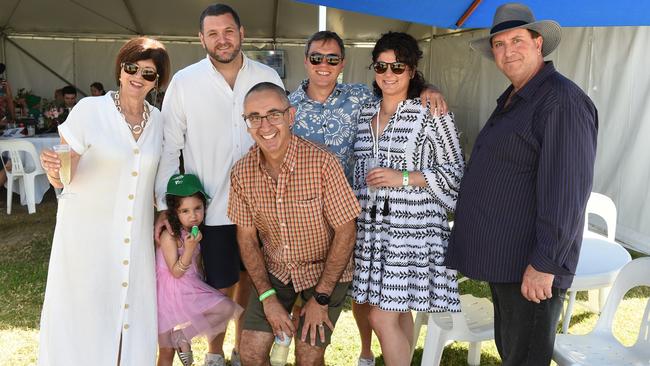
point(214, 56)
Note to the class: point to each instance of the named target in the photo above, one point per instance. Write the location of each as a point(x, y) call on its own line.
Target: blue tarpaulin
point(445, 13)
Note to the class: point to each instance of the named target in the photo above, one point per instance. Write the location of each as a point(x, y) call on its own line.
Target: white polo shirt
point(202, 117)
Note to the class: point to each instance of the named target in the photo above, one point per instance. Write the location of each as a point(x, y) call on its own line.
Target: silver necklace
point(137, 129)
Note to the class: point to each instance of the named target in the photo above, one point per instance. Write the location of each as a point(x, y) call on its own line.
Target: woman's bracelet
point(181, 267)
point(267, 293)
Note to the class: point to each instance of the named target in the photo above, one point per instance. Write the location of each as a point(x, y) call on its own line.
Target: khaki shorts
point(254, 318)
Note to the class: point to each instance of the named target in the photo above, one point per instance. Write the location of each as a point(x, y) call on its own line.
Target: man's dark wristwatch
point(323, 299)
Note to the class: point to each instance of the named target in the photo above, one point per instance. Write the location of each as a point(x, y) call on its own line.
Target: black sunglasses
point(147, 73)
point(332, 59)
point(380, 67)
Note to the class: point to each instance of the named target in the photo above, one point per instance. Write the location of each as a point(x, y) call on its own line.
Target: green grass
point(24, 252)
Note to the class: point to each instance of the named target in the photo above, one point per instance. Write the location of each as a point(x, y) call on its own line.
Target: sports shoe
point(212, 359)
point(366, 361)
point(234, 358)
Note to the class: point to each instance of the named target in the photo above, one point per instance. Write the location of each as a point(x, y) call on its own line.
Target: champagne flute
point(371, 164)
point(64, 153)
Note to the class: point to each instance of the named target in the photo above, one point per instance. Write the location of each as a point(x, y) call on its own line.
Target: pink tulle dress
point(189, 304)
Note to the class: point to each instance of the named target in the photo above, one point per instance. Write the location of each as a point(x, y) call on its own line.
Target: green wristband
point(266, 294)
point(405, 178)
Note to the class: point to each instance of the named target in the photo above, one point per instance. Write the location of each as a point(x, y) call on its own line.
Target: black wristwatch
point(323, 299)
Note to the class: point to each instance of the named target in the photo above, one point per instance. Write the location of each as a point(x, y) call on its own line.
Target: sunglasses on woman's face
point(380, 67)
point(148, 73)
point(332, 59)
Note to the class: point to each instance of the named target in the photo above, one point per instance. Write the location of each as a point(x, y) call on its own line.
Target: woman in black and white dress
point(406, 177)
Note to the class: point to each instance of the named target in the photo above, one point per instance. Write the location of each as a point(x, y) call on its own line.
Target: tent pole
point(3, 46)
point(276, 13)
point(44, 65)
point(322, 18)
point(467, 13)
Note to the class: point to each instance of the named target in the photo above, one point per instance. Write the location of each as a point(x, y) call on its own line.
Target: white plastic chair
point(474, 324)
point(15, 149)
point(603, 206)
point(600, 347)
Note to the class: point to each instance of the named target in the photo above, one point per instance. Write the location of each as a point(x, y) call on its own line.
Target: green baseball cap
point(184, 185)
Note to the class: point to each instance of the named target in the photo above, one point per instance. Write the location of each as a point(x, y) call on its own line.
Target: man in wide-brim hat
point(520, 212)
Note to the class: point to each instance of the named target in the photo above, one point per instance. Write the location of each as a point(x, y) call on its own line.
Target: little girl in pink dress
point(187, 306)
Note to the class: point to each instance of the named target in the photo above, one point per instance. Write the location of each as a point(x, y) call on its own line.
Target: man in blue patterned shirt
point(327, 112)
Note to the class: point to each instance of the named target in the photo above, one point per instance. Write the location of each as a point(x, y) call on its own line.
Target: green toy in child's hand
point(195, 231)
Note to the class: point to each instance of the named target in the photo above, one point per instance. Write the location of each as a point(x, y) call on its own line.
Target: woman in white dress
point(408, 166)
point(100, 299)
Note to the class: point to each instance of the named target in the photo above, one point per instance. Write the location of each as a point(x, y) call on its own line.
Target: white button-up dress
point(101, 283)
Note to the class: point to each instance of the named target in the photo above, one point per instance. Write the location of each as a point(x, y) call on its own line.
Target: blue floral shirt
point(332, 124)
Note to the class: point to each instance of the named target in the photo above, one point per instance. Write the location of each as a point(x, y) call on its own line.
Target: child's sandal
point(187, 357)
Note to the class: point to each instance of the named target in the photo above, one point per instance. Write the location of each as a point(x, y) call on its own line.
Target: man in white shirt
point(202, 113)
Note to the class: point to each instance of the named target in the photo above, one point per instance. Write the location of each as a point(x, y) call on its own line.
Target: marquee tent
point(47, 43)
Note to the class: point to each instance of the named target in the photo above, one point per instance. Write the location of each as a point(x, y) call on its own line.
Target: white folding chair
point(600, 347)
point(16, 148)
point(603, 206)
point(474, 324)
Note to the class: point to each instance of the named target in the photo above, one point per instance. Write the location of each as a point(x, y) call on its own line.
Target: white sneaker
point(234, 358)
point(212, 359)
point(366, 362)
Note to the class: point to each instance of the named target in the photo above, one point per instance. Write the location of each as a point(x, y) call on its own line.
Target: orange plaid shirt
point(296, 215)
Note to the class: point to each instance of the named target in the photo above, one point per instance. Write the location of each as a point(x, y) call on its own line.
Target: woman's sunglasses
point(147, 73)
point(380, 67)
point(332, 59)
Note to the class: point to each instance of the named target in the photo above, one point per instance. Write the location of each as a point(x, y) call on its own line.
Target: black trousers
point(524, 331)
point(220, 254)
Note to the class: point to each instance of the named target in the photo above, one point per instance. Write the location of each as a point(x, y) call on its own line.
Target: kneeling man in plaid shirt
point(291, 195)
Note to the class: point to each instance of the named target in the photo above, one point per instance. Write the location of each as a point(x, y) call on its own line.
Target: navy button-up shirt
point(523, 196)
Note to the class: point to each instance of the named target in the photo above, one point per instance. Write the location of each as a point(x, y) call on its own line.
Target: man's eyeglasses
point(274, 118)
point(147, 73)
point(332, 59)
point(380, 67)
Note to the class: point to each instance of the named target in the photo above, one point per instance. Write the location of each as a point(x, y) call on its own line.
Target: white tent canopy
point(78, 40)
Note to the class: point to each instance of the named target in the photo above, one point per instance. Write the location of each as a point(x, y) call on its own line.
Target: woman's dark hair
point(143, 48)
point(407, 51)
point(173, 203)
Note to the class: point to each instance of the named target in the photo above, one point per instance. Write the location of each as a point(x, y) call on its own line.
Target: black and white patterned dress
point(399, 256)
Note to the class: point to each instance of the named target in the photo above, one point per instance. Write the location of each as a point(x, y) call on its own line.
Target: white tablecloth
point(41, 185)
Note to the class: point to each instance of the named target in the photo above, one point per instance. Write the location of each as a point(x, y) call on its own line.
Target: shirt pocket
point(306, 215)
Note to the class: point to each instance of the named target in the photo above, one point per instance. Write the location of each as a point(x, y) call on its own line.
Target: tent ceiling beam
point(134, 19)
point(11, 15)
point(103, 16)
point(168, 39)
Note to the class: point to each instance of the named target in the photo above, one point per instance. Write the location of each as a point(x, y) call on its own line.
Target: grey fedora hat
point(514, 16)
